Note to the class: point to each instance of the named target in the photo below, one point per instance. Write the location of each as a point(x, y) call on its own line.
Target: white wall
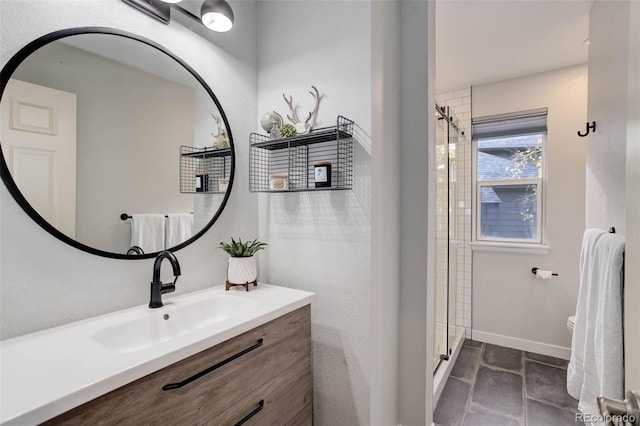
point(606, 148)
point(510, 306)
point(321, 241)
point(44, 282)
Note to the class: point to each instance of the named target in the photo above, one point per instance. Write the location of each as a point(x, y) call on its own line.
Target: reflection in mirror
point(97, 125)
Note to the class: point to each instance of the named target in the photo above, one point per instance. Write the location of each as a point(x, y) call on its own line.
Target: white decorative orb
point(268, 119)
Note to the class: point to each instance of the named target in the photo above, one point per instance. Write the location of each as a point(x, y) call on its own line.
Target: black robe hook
point(591, 126)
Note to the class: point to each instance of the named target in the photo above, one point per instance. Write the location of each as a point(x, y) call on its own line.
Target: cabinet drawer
point(265, 352)
point(275, 403)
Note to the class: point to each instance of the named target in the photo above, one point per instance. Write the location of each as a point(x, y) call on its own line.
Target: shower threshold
point(441, 374)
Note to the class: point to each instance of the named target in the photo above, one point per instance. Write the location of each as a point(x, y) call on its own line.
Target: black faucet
point(135, 250)
point(157, 288)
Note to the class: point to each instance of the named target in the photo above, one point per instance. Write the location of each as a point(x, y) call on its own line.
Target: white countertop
point(47, 373)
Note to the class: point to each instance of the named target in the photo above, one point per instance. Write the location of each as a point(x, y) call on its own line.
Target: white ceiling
point(481, 41)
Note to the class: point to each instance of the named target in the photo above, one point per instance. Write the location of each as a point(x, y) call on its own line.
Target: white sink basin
point(172, 320)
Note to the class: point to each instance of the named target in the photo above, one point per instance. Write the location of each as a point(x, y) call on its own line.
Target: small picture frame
point(322, 174)
point(202, 182)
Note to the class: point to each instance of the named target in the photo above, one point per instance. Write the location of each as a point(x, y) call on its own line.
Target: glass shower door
point(447, 328)
point(441, 300)
point(453, 328)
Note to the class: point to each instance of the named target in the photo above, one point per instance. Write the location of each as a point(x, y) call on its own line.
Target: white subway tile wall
point(460, 103)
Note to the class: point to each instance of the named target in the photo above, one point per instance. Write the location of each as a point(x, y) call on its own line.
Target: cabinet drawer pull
point(226, 361)
point(251, 414)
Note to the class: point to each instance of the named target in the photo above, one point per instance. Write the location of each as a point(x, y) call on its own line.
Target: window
point(509, 165)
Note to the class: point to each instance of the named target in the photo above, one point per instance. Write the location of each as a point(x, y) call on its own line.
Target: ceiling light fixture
point(586, 42)
point(217, 15)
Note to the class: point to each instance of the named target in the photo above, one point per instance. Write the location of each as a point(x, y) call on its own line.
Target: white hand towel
point(179, 228)
point(147, 231)
point(596, 366)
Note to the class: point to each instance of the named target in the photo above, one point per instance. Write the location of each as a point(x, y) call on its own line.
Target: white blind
point(511, 124)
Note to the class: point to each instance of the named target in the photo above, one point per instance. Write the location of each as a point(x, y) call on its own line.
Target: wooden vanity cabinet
point(262, 377)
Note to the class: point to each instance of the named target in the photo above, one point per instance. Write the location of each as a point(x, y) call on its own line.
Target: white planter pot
point(242, 270)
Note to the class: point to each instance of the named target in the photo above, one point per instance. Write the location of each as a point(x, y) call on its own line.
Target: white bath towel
point(147, 231)
point(582, 333)
point(179, 228)
point(595, 367)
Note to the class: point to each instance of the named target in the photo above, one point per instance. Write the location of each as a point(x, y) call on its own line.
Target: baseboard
point(521, 344)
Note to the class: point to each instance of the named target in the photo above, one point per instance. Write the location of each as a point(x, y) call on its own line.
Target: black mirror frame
point(14, 63)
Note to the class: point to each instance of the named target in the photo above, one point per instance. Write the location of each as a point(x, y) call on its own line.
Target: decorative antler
point(220, 140)
point(303, 128)
point(316, 96)
point(217, 120)
point(294, 115)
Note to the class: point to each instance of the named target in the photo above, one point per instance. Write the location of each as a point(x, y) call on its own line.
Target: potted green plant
point(242, 269)
point(288, 130)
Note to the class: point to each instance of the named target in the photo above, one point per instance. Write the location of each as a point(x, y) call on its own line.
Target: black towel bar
point(125, 216)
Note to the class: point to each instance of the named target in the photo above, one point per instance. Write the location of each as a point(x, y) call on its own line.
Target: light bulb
point(217, 15)
point(217, 22)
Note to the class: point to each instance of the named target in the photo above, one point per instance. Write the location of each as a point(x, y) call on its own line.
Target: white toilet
point(571, 322)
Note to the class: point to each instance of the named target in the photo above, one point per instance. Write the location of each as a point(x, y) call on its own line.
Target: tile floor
point(493, 385)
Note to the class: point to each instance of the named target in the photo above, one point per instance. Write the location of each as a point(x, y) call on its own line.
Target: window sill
point(528, 248)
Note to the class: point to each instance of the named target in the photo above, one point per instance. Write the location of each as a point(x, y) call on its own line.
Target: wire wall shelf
point(290, 162)
point(204, 170)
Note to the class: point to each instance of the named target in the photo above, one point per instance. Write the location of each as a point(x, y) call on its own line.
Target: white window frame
point(498, 244)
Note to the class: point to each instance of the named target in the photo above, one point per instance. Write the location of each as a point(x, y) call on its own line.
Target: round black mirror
point(109, 141)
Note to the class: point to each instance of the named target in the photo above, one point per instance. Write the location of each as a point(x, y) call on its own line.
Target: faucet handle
point(168, 288)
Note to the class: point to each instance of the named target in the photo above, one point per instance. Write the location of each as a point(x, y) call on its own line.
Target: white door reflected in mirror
point(39, 135)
